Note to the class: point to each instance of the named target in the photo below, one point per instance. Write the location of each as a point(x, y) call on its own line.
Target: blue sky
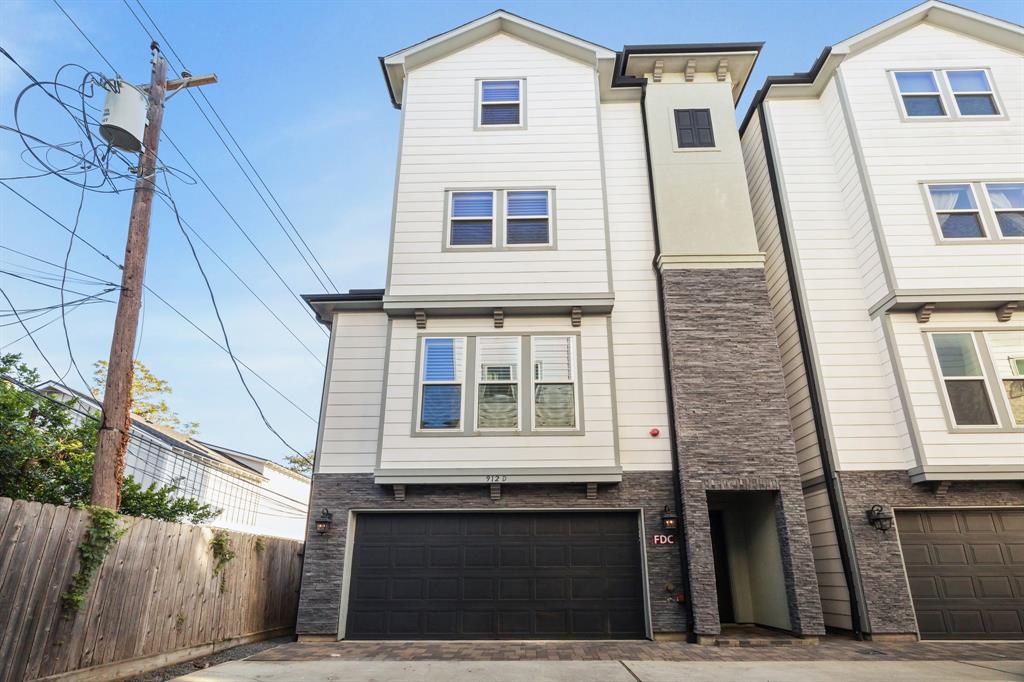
point(301, 90)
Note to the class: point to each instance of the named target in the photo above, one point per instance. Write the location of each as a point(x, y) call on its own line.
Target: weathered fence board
point(154, 594)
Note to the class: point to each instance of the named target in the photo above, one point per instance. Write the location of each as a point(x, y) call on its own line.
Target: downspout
point(835, 505)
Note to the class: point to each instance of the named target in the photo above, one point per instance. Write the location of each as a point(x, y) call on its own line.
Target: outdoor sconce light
point(668, 519)
point(323, 524)
point(880, 518)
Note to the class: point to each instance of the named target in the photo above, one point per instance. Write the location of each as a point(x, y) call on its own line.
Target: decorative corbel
point(659, 67)
point(691, 68)
point(499, 318)
point(421, 319)
point(495, 492)
point(1005, 312)
point(591, 491)
point(576, 315)
point(942, 487)
point(399, 492)
point(723, 69)
point(924, 313)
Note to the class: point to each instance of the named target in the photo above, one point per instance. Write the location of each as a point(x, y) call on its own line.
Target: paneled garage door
point(966, 572)
point(492, 575)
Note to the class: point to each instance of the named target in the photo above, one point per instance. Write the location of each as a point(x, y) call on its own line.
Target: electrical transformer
point(124, 116)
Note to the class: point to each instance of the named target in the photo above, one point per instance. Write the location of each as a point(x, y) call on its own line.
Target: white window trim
point(946, 96)
point(452, 219)
point(423, 382)
point(987, 214)
point(507, 218)
point(938, 93)
point(480, 104)
point(480, 381)
point(999, 381)
point(985, 379)
point(985, 231)
point(997, 211)
point(534, 382)
point(990, 92)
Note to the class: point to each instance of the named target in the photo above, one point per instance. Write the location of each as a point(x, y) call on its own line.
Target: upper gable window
point(501, 103)
point(956, 93)
point(693, 128)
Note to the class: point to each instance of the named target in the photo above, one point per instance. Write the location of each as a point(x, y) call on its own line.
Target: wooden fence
point(154, 601)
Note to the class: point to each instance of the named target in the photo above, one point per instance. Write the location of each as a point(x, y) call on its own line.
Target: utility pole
point(112, 441)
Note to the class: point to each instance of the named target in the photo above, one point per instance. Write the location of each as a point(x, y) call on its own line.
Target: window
point(498, 359)
point(1007, 349)
point(500, 103)
point(963, 379)
point(554, 382)
point(956, 211)
point(1007, 201)
point(693, 128)
point(919, 92)
point(443, 362)
point(972, 93)
point(471, 219)
point(527, 217)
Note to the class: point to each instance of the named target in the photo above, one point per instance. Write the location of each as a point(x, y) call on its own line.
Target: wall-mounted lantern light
point(880, 518)
point(668, 519)
point(323, 524)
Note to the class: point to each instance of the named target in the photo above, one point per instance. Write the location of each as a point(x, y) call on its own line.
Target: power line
point(112, 69)
point(63, 279)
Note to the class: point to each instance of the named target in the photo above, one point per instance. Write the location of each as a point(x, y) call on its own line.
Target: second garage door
point(966, 571)
point(512, 575)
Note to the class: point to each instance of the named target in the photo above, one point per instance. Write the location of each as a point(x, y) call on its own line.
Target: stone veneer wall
point(323, 567)
point(733, 427)
point(890, 609)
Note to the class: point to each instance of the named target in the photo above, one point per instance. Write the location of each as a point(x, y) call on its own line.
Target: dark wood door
point(494, 575)
point(966, 571)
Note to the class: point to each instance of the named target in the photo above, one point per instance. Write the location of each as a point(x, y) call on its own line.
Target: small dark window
point(693, 128)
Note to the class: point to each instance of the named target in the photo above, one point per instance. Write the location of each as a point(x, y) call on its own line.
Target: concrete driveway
point(605, 671)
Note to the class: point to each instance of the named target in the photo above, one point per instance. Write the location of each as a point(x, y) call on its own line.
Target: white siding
point(900, 154)
point(596, 447)
point(352, 417)
point(636, 327)
point(559, 148)
point(835, 595)
point(939, 445)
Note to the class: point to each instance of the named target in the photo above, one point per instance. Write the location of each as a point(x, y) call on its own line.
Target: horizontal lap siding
point(352, 414)
point(827, 227)
point(636, 330)
point(940, 446)
point(560, 148)
point(901, 154)
point(594, 448)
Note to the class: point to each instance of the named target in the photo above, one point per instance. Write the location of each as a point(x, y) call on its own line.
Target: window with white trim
point(964, 385)
point(471, 219)
point(972, 92)
point(527, 217)
point(1007, 351)
point(977, 211)
point(500, 103)
point(1007, 202)
point(919, 93)
point(498, 359)
point(442, 372)
point(941, 93)
point(956, 211)
point(555, 400)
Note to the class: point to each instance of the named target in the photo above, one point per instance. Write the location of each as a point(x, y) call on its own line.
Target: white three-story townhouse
point(888, 191)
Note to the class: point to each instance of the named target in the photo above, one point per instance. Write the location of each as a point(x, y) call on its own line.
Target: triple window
point(959, 215)
point(968, 364)
point(525, 216)
point(950, 92)
point(551, 402)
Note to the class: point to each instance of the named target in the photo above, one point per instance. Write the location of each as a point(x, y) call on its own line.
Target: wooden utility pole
point(108, 465)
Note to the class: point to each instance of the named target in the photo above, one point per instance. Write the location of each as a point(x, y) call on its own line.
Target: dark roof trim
point(352, 295)
point(621, 80)
point(325, 305)
point(387, 82)
point(793, 79)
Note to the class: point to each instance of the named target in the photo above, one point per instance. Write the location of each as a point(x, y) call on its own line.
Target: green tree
point(148, 400)
point(46, 453)
point(300, 464)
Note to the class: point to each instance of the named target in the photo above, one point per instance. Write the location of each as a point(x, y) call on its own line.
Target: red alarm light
point(655, 432)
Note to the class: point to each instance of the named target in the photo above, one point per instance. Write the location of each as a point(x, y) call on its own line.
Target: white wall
point(283, 505)
point(636, 326)
point(559, 148)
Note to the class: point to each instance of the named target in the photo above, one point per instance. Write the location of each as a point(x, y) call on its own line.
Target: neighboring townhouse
point(254, 495)
point(510, 445)
point(888, 192)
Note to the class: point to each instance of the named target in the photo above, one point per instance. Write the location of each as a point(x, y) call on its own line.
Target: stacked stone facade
point(733, 428)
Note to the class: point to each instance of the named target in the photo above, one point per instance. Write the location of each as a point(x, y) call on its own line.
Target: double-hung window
point(960, 93)
point(977, 210)
point(555, 379)
point(919, 91)
point(963, 379)
point(498, 359)
point(471, 219)
point(1007, 201)
point(501, 103)
point(527, 217)
point(972, 93)
point(1007, 350)
point(442, 364)
point(956, 211)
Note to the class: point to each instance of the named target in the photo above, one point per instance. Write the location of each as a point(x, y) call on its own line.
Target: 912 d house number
point(495, 478)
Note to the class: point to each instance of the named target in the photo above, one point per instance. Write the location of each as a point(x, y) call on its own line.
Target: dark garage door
point(966, 572)
point(513, 575)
